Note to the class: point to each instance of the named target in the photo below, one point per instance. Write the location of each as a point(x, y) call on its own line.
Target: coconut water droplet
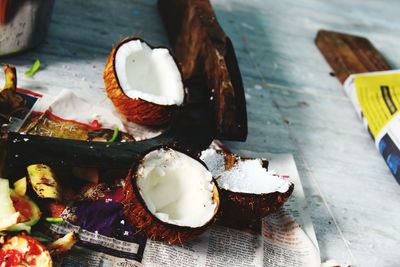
point(257, 87)
point(247, 26)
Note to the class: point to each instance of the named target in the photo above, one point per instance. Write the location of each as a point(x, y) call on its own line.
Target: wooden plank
point(204, 52)
point(348, 54)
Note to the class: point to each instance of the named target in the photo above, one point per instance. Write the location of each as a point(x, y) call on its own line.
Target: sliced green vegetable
point(54, 219)
point(35, 67)
point(20, 227)
point(114, 136)
point(20, 187)
point(43, 181)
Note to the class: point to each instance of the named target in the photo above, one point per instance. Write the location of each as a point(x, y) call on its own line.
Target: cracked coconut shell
point(243, 204)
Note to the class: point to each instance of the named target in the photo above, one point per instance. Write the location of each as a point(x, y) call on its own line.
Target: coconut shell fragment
point(241, 202)
point(240, 209)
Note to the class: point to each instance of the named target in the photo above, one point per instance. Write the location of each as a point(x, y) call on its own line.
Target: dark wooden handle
point(191, 130)
point(349, 54)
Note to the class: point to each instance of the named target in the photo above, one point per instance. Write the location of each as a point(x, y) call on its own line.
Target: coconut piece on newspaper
point(170, 196)
point(143, 82)
point(248, 190)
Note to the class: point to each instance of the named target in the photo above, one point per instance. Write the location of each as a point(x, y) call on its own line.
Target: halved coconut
point(170, 196)
point(248, 191)
point(144, 83)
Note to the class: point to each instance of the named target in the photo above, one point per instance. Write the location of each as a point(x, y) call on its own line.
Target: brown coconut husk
point(242, 209)
point(238, 209)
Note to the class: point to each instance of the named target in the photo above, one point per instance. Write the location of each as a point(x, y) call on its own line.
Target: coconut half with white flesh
point(170, 196)
point(248, 190)
point(143, 82)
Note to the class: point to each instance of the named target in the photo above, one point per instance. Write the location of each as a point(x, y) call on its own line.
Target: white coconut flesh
point(148, 74)
point(247, 176)
point(176, 188)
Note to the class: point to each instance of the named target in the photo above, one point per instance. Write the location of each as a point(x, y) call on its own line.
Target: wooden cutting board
point(349, 54)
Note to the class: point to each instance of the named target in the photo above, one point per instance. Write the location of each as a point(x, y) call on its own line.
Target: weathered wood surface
point(205, 53)
point(293, 104)
point(348, 54)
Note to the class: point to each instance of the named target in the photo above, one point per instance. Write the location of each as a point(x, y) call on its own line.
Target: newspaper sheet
point(69, 116)
point(286, 238)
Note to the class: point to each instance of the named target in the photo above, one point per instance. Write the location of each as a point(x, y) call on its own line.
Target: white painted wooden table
point(294, 105)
